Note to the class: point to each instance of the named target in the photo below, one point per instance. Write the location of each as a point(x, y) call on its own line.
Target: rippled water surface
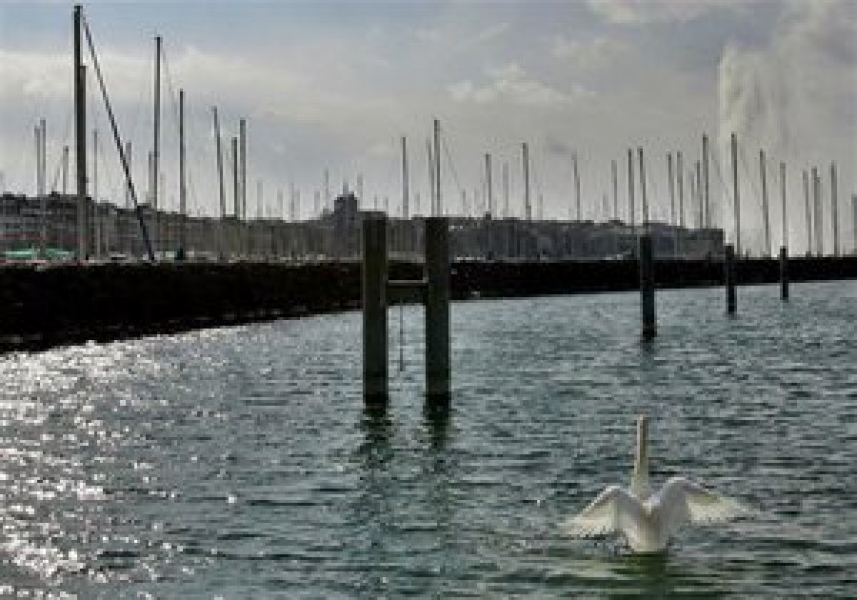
point(239, 462)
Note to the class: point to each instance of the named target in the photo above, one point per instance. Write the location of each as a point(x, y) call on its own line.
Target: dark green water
point(238, 463)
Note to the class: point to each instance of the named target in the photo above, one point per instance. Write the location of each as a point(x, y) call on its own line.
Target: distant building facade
point(52, 222)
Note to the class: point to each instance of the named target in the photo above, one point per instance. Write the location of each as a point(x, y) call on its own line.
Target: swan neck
point(641, 458)
point(640, 483)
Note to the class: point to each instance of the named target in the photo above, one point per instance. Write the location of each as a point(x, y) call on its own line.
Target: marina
point(372, 300)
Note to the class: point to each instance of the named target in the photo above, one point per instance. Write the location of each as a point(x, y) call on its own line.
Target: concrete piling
point(647, 286)
point(729, 276)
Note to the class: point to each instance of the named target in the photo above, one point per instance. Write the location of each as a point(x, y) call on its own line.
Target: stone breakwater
point(43, 306)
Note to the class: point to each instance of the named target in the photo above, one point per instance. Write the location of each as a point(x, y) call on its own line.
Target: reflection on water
point(241, 462)
point(437, 420)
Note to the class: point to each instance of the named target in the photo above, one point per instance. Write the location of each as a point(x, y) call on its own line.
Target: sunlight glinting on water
point(239, 461)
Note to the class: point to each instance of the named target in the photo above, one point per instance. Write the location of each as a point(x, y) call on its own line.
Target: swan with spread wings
point(648, 520)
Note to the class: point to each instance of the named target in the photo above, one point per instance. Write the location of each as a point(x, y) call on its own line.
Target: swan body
point(648, 520)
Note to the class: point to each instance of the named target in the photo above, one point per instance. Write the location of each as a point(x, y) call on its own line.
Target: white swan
point(647, 521)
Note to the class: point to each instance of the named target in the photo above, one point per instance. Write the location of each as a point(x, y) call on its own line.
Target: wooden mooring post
point(433, 291)
point(647, 287)
point(375, 311)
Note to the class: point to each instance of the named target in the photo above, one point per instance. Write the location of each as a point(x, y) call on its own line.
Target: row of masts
point(699, 182)
point(698, 177)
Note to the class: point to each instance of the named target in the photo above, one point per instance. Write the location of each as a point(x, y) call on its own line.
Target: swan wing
point(683, 502)
point(614, 510)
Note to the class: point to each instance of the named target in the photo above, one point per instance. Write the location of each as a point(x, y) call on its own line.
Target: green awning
point(34, 254)
point(22, 254)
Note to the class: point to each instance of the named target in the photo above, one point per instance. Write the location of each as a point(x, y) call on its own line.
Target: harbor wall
point(44, 306)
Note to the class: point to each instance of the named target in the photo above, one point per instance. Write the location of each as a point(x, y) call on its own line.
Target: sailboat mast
point(217, 145)
point(614, 168)
point(156, 150)
point(489, 184)
point(643, 188)
point(525, 157)
point(706, 182)
point(736, 195)
point(505, 190)
point(631, 212)
point(80, 133)
point(405, 181)
point(785, 241)
point(576, 187)
point(430, 157)
point(182, 179)
point(438, 210)
point(763, 171)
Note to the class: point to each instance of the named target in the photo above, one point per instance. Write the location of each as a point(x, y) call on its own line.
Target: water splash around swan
point(647, 520)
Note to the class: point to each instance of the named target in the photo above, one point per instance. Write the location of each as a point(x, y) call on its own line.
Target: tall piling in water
point(437, 310)
point(433, 290)
point(374, 294)
point(784, 273)
point(647, 286)
point(729, 277)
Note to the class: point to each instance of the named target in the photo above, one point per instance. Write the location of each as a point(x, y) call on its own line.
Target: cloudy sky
point(334, 85)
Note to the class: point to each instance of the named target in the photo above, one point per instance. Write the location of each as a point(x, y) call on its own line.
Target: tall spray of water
point(795, 97)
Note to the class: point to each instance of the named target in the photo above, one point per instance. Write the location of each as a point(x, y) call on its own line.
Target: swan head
point(640, 480)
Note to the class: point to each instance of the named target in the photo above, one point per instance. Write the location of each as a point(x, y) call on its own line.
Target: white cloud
point(491, 33)
point(510, 84)
point(589, 54)
point(454, 38)
point(33, 77)
point(641, 12)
